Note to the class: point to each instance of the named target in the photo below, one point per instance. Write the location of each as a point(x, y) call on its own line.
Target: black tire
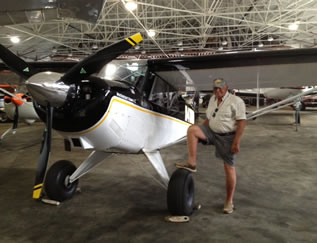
point(180, 193)
point(54, 185)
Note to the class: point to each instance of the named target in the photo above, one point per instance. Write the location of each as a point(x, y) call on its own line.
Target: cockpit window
point(127, 72)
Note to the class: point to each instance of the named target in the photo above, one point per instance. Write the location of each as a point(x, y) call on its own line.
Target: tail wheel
point(180, 193)
point(57, 186)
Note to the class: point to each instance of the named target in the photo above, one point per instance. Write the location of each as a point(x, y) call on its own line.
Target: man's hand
point(235, 148)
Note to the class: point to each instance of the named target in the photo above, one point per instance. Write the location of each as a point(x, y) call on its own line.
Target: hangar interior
point(121, 201)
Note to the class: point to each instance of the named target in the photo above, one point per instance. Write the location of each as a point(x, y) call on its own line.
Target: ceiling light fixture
point(270, 38)
point(15, 39)
point(151, 33)
point(180, 43)
point(94, 47)
point(220, 48)
point(131, 5)
point(224, 43)
point(293, 26)
point(260, 44)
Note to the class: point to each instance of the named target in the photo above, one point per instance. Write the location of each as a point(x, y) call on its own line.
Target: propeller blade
point(16, 118)
point(95, 62)
point(16, 64)
point(44, 154)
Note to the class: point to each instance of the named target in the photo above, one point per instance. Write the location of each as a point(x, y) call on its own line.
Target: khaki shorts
point(222, 144)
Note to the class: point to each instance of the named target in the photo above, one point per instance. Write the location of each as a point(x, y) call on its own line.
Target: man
point(226, 120)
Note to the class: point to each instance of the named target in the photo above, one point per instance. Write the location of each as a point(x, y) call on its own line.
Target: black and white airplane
point(133, 106)
point(124, 108)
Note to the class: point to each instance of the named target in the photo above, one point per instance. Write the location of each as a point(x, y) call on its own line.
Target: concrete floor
point(120, 202)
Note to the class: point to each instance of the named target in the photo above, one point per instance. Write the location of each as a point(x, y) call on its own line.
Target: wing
point(297, 67)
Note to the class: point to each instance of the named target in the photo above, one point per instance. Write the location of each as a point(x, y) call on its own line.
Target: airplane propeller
point(44, 153)
point(95, 62)
point(50, 90)
point(16, 64)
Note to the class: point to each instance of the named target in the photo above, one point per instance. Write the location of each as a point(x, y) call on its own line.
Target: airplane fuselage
point(108, 115)
point(126, 126)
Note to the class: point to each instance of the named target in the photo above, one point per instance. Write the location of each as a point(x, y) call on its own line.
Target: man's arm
point(239, 132)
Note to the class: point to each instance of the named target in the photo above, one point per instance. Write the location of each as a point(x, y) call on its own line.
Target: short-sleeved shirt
point(231, 109)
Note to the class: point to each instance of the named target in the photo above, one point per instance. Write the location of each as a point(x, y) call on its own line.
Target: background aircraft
point(17, 107)
point(272, 95)
point(11, 88)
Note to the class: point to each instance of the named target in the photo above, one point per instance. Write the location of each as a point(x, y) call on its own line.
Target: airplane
point(17, 106)
point(127, 106)
point(129, 111)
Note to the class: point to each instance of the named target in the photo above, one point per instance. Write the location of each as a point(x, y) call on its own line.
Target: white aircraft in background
point(17, 107)
point(133, 106)
point(277, 94)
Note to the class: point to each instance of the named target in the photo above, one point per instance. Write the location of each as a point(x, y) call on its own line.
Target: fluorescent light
point(260, 44)
point(224, 43)
point(15, 39)
point(151, 33)
point(131, 5)
point(293, 26)
point(220, 48)
point(94, 47)
point(180, 43)
point(270, 38)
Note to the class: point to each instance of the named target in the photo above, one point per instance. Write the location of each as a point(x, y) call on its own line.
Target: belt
point(226, 134)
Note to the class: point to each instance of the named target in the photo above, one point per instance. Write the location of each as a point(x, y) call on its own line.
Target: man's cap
point(219, 83)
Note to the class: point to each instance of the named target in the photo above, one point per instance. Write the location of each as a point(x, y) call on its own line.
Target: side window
point(164, 95)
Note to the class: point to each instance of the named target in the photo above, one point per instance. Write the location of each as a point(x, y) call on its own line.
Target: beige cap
point(219, 83)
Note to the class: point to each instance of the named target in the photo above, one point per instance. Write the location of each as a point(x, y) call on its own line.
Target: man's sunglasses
point(215, 112)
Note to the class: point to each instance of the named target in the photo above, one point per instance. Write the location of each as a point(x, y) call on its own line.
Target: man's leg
point(194, 133)
point(231, 180)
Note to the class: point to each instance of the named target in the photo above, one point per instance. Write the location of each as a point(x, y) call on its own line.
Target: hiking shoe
point(186, 166)
point(228, 208)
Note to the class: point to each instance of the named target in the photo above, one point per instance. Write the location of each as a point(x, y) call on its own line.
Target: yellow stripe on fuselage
point(135, 107)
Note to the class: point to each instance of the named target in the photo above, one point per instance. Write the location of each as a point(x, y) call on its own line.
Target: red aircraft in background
point(15, 106)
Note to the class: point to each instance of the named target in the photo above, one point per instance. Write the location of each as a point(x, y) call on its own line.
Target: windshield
point(127, 72)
